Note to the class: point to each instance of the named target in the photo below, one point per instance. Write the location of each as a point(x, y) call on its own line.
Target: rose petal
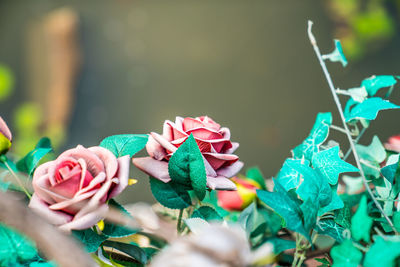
point(109, 160)
point(42, 170)
point(52, 168)
point(122, 175)
point(94, 164)
point(204, 133)
point(209, 169)
point(41, 188)
point(155, 168)
point(217, 160)
point(54, 217)
point(86, 221)
point(230, 200)
point(220, 183)
point(5, 130)
point(226, 133)
point(235, 146)
point(93, 184)
point(163, 142)
point(68, 188)
point(154, 149)
point(74, 204)
point(168, 130)
point(190, 123)
point(230, 171)
point(208, 122)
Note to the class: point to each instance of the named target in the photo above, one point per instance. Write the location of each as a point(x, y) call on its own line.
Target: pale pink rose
point(393, 144)
point(214, 144)
point(71, 191)
point(4, 129)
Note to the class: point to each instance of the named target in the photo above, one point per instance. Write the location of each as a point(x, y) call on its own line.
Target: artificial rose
point(71, 191)
point(5, 137)
point(240, 199)
point(393, 144)
point(214, 144)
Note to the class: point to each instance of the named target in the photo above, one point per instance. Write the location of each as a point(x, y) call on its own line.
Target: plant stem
point(179, 222)
point(18, 180)
point(355, 141)
point(339, 107)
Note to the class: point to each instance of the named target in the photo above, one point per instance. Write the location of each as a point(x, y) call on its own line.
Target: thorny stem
point(18, 180)
point(339, 107)
point(179, 222)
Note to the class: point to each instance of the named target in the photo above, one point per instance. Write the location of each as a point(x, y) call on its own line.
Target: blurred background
point(78, 71)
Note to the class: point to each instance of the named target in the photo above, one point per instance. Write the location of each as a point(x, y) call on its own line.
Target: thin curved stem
point(339, 107)
point(18, 180)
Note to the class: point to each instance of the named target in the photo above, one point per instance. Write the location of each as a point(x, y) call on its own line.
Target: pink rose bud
point(71, 191)
point(5, 137)
point(393, 144)
point(240, 199)
point(213, 141)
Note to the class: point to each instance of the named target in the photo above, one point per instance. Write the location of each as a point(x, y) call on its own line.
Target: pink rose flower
point(71, 191)
point(5, 137)
point(214, 144)
point(393, 144)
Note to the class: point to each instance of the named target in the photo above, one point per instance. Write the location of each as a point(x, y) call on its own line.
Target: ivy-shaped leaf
point(186, 166)
point(90, 239)
point(254, 173)
point(317, 136)
point(358, 94)
point(207, 213)
point(336, 203)
point(369, 109)
point(337, 55)
point(310, 211)
point(281, 202)
point(374, 154)
point(382, 253)
point(28, 163)
point(346, 254)
point(376, 82)
point(288, 177)
point(115, 230)
point(170, 195)
point(125, 144)
point(329, 163)
point(330, 228)
point(361, 223)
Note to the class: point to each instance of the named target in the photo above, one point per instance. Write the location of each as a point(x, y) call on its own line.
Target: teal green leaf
point(310, 211)
point(375, 152)
point(255, 174)
point(90, 239)
point(330, 228)
point(382, 253)
point(346, 255)
point(281, 202)
point(115, 230)
point(337, 55)
point(361, 223)
point(396, 220)
point(14, 248)
point(170, 195)
point(317, 136)
point(131, 249)
point(29, 163)
point(288, 177)
point(336, 203)
point(329, 163)
point(125, 144)
point(343, 216)
point(358, 94)
point(186, 166)
point(212, 199)
point(369, 109)
point(376, 82)
point(281, 245)
point(324, 262)
point(207, 213)
point(314, 185)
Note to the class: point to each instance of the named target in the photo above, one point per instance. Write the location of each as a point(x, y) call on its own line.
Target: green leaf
point(369, 109)
point(14, 248)
point(361, 223)
point(310, 210)
point(329, 163)
point(125, 144)
point(254, 173)
point(343, 216)
point(314, 186)
point(375, 152)
point(186, 166)
point(376, 82)
point(382, 253)
point(325, 262)
point(212, 199)
point(115, 230)
point(281, 202)
point(336, 203)
point(170, 195)
point(396, 220)
point(288, 177)
point(358, 94)
point(317, 136)
point(90, 239)
point(29, 163)
point(207, 213)
point(346, 255)
point(131, 249)
point(337, 55)
point(281, 245)
point(330, 228)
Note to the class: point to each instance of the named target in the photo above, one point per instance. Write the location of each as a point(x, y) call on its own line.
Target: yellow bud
point(100, 224)
point(132, 181)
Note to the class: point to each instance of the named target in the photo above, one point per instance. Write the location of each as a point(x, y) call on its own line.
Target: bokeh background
point(78, 71)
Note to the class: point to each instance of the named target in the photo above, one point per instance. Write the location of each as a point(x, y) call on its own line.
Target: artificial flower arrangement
point(207, 213)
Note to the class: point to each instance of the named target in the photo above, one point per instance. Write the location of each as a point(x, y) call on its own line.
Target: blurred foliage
point(362, 25)
point(6, 82)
